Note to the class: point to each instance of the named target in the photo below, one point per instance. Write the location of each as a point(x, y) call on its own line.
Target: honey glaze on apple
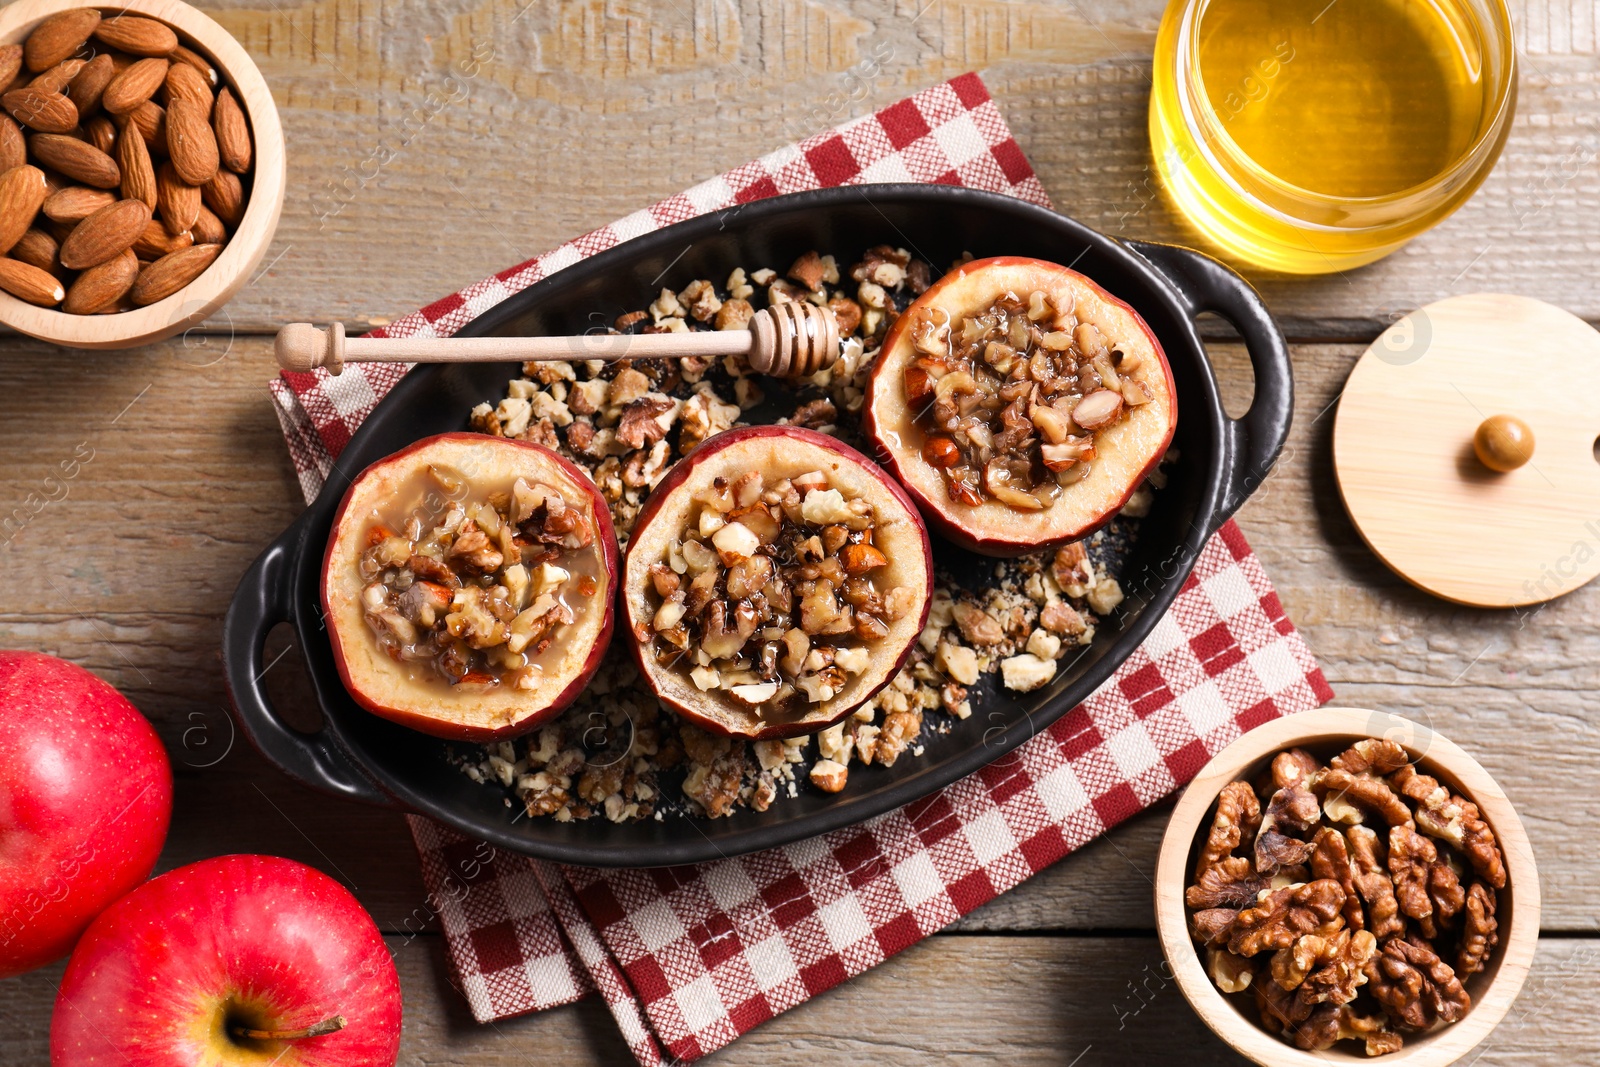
point(471, 588)
point(769, 596)
point(1010, 400)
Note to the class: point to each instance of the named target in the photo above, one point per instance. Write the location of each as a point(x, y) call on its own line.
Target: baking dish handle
point(263, 600)
point(1257, 437)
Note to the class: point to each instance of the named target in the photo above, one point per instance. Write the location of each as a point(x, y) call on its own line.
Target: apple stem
point(322, 1029)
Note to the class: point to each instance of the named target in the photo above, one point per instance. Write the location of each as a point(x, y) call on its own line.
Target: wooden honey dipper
point(792, 340)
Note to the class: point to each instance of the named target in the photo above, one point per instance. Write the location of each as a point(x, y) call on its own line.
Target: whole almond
point(99, 286)
point(138, 175)
point(172, 272)
point(76, 159)
point(10, 63)
point(58, 77)
point(22, 191)
point(208, 229)
point(101, 132)
point(224, 194)
point(151, 120)
point(76, 203)
point(142, 37)
point(134, 86)
point(194, 59)
point(177, 200)
point(156, 242)
point(58, 36)
point(39, 249)
point(27, 282)
point(190, 142)
point(13, 149)
point(104, 234)
point(89, 84)
point(184, 82)
point(45, 112)
point(233, 133)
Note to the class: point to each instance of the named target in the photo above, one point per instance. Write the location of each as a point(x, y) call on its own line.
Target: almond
point(194, 59)
point(27, 282)
point(104, 234)
point(208, 229)
point(13, 149)
point(76, 203)
point(184, 82)
point(38, 249)
point(101, 132)
point(58, 36)
point(177, 200)
point(141, 37)
point(233, 133)
point(151, 120)
point(10, 63)
point(58, 77)
point(45, 112)
point(89, 84)
point(172, 272)
point(190, 142)
point(102, 285)
point(138, 175)
point(76, 159)
point(22, 190)
point(156, 242)
point(134, 86)
point(224, 194)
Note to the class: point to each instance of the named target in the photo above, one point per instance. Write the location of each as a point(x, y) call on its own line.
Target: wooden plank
point(956, 999)
point(430, 147)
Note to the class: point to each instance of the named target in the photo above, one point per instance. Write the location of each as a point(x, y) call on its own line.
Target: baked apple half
point(775, 581)
point(1020, 404)
point(469, 585)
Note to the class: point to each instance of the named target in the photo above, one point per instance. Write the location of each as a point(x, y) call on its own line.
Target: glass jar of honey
point(1315, 136)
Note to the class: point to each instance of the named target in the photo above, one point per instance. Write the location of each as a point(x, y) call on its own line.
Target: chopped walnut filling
point(1012, 399)
point(1337, 930)
point(476, 590)
point(771, 595)
point(628, 423)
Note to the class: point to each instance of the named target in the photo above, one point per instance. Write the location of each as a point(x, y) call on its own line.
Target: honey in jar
point(1316, 136)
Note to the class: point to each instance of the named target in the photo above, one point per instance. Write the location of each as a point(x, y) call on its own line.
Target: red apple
point(898, 543)
point(483, 705)
point(85, 797)
point(230, 961)
point(1125, 440)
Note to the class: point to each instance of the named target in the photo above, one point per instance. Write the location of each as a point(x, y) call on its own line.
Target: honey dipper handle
point(303, 347)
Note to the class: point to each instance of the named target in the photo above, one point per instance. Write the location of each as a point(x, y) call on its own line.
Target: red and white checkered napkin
point(689, 958)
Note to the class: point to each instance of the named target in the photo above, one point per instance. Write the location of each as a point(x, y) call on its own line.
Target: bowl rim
point(1519, 936)
point(218, 283)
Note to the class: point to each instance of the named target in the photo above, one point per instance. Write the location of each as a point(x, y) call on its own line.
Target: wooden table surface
point(408, 181)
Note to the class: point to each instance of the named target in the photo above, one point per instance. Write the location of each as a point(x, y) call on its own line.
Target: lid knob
point(1503, 442)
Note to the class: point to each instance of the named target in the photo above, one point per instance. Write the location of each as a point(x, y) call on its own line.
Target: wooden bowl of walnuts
point(1343, 884)
point(142, 170)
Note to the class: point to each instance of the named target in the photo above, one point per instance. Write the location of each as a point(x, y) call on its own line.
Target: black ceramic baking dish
point(1220, 461)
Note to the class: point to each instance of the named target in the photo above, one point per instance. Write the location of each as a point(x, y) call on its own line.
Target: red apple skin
point(85, 799)
point(257, 940)
point(941, 520)
point(439, 725)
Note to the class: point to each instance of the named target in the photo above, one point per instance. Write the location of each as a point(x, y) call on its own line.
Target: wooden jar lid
point(1404, 456)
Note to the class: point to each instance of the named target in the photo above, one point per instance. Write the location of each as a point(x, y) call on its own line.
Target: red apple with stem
point(85, 798)
point(230, 961)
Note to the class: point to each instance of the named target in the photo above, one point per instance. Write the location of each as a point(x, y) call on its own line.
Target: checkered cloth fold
point(688, 958)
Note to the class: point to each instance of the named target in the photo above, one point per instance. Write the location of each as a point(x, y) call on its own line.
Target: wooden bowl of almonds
point(142, 170)
point(1346, 883)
